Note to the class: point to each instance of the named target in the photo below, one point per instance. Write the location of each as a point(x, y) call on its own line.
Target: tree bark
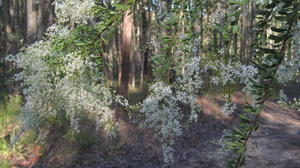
point(31, 25)
point(126, 47)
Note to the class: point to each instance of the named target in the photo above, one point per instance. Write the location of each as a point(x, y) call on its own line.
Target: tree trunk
point(253, 34)
point(31, 17)
point(4, 16)
point(126, 47)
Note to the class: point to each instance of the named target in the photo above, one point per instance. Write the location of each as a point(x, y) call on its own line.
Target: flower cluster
point(219, 17)
point(38, 88)
point(221, 141)
point(48, 93)
point(191, 79)
point(283, 99)
point(294, 103)
point(58, 84)
point(231, 73)
point(163, 113)
point(282, 96)
point(290, 67)
point(81, 93)
point(228, 108)
point(76, 11)
point(191, 82)
point(70, 12)
point(163, 108)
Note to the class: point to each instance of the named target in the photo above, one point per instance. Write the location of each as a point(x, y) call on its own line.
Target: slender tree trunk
point(235, 44)
point(202, 31)
point(4, 16)
point(253, 34)
point(41, 19)
point(31, 17)
point(242, 40)
point(126, 47)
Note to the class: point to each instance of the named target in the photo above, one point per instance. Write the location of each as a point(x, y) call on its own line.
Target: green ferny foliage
point(276, 21)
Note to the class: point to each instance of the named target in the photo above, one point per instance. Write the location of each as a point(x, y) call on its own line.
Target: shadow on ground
point(275, 145)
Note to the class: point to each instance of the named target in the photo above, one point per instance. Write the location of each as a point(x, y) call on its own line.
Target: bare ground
point(276, 144)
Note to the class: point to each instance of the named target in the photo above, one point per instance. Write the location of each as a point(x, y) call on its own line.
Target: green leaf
point(242, 161)
point(244, 118)
point(236, 13)
point(220, 29)
point(267, 50)
point(278, 30)
point(272, 5)
point(282, 12)
point(280, 18)
point(238, 131)
point(241, 150)
point(233, 2)
point(263, 12)
point(121, 7)
point(81, 44)
point(235, 29)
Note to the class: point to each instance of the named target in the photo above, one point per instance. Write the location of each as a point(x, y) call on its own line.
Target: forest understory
point(276, 144)
point(149, 83)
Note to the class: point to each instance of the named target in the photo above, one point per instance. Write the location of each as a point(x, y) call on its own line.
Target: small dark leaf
point(278, 30)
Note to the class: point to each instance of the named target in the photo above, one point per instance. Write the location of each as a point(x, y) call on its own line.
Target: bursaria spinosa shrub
point(289, 69)
point(39, 90)
point(76, 11)
point(163, 113)
point(62, 76)
point(61, 84)
point(164, 108)
point(171, 106)
point(230, 73)
point(71, 88)
point(191, 83)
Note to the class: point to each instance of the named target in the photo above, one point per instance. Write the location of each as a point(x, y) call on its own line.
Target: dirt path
point(275, 145)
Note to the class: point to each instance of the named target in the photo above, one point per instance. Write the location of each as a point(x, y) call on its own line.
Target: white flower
point(290, 68)
point(163, 114)
point(191, 80)
point(77, 11)
point(168, 153)
point(122, 100)
point(282, 96)
point(228, 108)
point(232, 72)
point(71, 88)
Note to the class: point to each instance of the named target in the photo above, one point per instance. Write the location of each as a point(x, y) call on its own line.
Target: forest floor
point(276, 144)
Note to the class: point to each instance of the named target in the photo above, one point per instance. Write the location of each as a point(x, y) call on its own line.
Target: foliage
point(289, 69)
point(228, 67)
point(271, 51)
point(164, 106)
point(62, 75)
point(73, 11)
point(8, 122)
point(4, 164)
point(163, 113)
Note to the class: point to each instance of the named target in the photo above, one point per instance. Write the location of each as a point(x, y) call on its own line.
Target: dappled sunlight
point(149, 84)
point(275, 113)
point(210, 107)
point(241, 98)
point(32, 157)
point(212, 104)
